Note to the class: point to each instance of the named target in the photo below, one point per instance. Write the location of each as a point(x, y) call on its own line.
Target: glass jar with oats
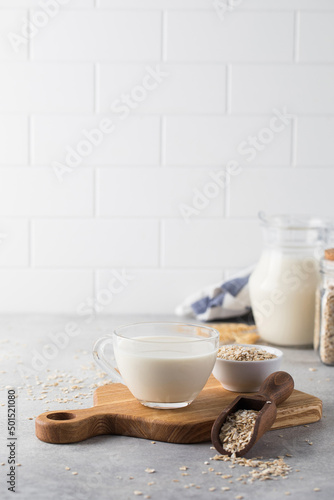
point(324, 324)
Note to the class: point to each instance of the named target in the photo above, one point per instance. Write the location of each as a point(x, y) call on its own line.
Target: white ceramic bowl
point(246, 376)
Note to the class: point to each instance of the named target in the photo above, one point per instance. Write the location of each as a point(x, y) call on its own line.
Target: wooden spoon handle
point(73, 425)
point(277, 387)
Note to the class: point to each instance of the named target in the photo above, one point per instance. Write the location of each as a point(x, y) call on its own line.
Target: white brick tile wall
point(314, 141)
point(302, 89)
point(208, 4)
point(305, 191)
point(14, 243)
point(11, 22)
point(47, 87)
point(49, 291)
point(36, 4)
point(213, 140)
point(209, 243)
point(36, 191)
point(287, 4)
point(150, 290)
point(135, 141)
point(146, 191)
point(122, 197)
point(155, 4)
point(177, 4)
point(320, 25)
point(89, 243)
point(194, 88)
point(202, 36)
point(96, 35)
point(14, 139)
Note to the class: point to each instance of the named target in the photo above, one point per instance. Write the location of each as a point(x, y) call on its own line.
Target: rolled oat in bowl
point(242, 353)
point(236, 373)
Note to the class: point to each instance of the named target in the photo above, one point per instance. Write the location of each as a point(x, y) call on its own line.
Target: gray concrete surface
point(113, 467)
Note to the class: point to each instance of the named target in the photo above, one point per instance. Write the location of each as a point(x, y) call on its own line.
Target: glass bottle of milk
point(284, 283)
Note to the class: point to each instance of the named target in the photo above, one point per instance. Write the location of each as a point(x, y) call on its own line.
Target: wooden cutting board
point(116, 411)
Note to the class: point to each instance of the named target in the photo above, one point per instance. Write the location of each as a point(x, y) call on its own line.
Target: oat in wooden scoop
point(237, 430)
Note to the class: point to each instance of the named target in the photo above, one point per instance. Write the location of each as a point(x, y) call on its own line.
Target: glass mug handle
point(101, 360)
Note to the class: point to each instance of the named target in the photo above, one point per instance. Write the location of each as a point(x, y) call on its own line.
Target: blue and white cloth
point(221, 301)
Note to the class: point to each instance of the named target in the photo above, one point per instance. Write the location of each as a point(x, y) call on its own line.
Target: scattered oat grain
point(261, 470)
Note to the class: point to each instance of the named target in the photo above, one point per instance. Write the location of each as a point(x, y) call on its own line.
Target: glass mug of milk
point(164, 365)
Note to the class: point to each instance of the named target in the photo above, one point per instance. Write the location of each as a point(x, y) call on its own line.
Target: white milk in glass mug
point(164, 365)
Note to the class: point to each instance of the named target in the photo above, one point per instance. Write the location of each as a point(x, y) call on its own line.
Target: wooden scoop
point(274, 390)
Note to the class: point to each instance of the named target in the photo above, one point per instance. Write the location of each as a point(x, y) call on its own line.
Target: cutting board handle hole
point(60, 416)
